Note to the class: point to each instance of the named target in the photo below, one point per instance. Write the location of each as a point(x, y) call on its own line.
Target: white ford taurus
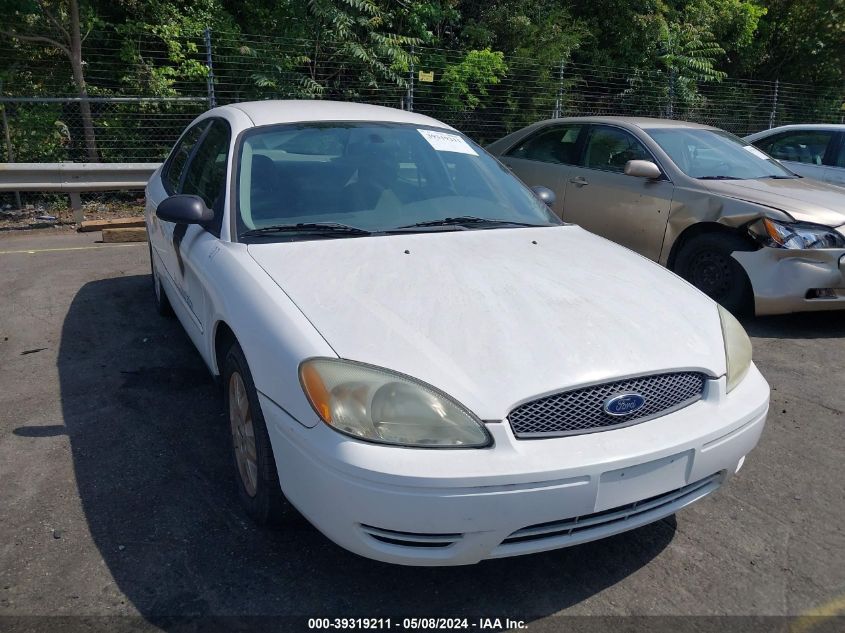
point(419, 357)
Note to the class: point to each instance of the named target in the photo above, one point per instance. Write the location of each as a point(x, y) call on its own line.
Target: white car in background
point(419, 357)
point(811, 150)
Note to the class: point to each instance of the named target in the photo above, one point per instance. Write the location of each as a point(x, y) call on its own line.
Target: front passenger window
point(557, 144)
point(609, 149)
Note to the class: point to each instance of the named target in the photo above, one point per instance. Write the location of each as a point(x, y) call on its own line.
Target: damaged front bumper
point(795, 280)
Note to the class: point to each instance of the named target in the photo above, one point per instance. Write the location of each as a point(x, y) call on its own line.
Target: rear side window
point(558, 144)
point(609, 149)
point(809, 146)
point(180, 155)
point(206, 173)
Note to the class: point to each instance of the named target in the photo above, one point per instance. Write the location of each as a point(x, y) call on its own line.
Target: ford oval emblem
point(624, 404)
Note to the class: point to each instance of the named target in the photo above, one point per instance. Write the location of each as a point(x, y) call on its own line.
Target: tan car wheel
point(705, 261)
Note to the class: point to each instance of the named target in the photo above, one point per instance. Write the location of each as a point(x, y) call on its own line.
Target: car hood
point(498, 317)
point(805, 199)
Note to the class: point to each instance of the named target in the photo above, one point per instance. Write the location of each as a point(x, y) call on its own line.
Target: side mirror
point(184, 209)
point(642, 169)
point(545, 195)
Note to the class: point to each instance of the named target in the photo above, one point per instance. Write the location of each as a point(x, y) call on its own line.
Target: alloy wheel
point(243, 434)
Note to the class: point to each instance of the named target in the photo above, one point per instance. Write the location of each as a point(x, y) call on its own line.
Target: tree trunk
point(79, 80)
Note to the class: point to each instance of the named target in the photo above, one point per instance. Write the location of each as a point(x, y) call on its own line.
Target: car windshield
point(717, 155)
point(376, 177)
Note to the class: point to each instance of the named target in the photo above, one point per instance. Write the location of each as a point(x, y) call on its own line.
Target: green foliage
point(357, 38)
point(366, 49)
point(178, 28)
point(468, 82)
point(542, 30)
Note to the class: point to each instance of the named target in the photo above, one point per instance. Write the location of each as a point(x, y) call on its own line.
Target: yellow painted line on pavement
point(33, 251)
point(812, 618)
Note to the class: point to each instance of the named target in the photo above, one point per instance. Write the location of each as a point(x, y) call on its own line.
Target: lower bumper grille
point(620, 515)
point(411, 539)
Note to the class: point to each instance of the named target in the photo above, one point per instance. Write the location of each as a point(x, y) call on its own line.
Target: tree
point(58, 25)
point(469, 81)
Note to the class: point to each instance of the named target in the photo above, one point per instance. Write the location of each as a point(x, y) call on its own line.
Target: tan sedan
point(713, 208)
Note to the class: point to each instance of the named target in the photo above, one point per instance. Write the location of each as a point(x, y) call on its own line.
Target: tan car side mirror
point(642, 169)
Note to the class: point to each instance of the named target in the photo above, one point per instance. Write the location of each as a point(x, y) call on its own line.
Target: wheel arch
point(223, 338)
point(701, 228)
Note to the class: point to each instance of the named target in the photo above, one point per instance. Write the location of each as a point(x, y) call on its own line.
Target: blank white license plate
point(627, 485)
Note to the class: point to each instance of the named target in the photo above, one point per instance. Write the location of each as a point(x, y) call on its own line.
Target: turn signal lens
point(316, 391)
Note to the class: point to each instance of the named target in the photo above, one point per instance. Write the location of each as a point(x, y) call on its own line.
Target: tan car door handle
point(579, 180)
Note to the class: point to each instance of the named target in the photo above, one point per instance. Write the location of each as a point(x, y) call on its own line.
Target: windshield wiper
point(334, 228)
point(719, 178)
point(465, 220)
point(776, 177)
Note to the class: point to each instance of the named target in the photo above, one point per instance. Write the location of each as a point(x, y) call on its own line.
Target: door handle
point(579, 180)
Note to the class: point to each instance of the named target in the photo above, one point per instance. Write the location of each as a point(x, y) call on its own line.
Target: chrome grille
point(582, 410)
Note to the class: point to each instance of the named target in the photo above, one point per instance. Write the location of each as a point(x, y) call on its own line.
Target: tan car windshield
point(714, 154)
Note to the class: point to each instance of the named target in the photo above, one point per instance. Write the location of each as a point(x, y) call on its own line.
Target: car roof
point(635, 121)
point(806, 126)
point(302, 111)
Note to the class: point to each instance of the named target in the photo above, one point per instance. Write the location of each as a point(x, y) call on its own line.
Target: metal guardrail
point(74, 177)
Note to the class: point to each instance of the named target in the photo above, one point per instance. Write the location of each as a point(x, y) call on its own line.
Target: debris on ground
point(59, 214)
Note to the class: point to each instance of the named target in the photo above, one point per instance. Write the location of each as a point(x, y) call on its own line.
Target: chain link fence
point(143, 92)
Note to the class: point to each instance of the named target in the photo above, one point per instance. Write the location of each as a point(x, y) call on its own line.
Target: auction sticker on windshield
point(445, 142)
point(754, 151)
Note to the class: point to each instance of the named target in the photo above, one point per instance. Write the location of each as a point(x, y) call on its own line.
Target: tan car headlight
point(737, 348)
point(382, 406)
point(799, 235)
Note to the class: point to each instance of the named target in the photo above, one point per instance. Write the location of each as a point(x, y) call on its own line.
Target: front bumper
point(453, 507)
point(781, 278)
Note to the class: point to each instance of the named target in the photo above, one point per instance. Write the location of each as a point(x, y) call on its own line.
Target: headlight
point(382, 406)
point(737, 348)
point(797, 235)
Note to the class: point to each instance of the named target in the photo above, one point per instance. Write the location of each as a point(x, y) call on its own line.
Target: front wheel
point(705, 261)
point(252, 455)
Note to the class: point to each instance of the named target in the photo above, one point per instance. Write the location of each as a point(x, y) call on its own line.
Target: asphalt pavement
point(117, 498)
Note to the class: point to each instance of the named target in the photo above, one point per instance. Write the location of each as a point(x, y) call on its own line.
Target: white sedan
point(419, 357)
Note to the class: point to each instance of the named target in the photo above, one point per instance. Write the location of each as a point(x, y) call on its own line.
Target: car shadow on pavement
point(151, 458)
point(806, 325)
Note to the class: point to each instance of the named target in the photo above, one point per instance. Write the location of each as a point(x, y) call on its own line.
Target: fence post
point(774, 105)
point(209, 79)
point(559, 101)
point(670, 108)
point(410, 99)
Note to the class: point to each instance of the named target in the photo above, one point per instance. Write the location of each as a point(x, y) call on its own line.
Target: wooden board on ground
point(116, 223)
point(132, 234)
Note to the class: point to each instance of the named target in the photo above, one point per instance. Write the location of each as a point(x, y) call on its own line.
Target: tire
point(252, 455)
point(705, 261)
point(162, 303)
